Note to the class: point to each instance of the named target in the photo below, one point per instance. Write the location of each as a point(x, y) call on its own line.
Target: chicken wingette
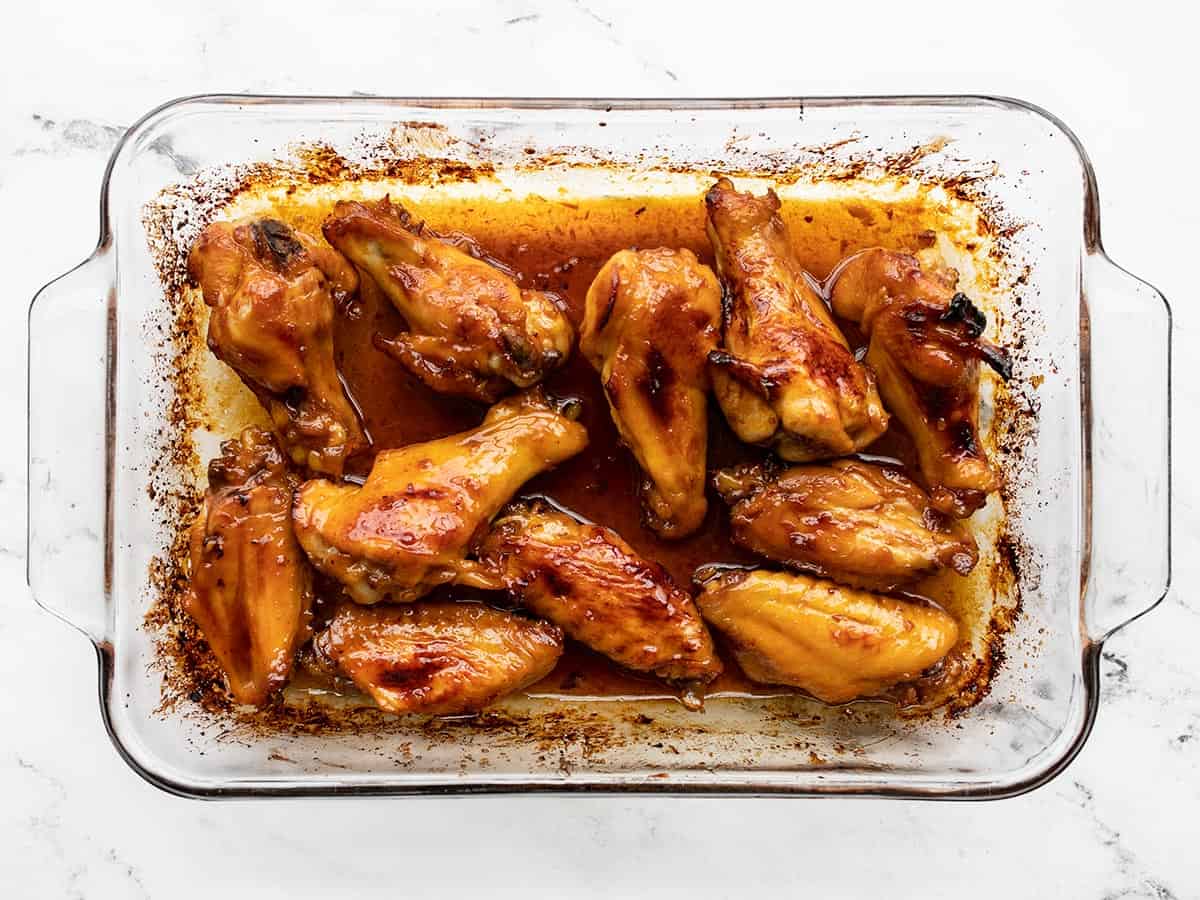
point(785, 377)
point(472, 331)
point(272, 291)
point(925, 344)
point(859, 523)
point(836, 643)
point(651, 319)
point(250, 589)
point(587, 580)
point(410, 527)
point(438, 658)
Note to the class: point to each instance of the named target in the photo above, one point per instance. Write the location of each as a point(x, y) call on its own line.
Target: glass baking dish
point(1092, 508)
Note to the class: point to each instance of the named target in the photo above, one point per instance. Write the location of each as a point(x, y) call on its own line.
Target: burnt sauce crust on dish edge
point(562, 254)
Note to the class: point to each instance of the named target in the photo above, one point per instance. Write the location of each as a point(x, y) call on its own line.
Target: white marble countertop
point(76, 822)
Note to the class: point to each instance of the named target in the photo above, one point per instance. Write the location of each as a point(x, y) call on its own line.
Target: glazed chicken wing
point(472, 331)
point(438, 658)
point(786, 377)
point(858, 523)
point(411, 525)
point(250, 589)
point(926, 344)
point(652, 318)
point(272, 292)
point(586, 579)
point(834, 642)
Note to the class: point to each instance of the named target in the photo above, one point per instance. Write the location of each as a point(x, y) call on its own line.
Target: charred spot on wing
point(406, 677)
point(276, 239)
point(721, 359)
point(962, 439)
point(293, 398)
point(517, 350)
point(713, 195)
point(424, 492)
point(939, 403)
point(655, 382)
point(746, 374)
point(611, 301)
point(400, 213)
point(961, 309)
point(557, 585)
point(998, 359)
point(727, 299)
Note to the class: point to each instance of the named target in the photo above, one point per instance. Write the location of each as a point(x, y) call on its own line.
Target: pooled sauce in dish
point(559, 246)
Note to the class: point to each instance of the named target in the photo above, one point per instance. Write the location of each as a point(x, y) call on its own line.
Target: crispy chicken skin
point(926, 345)
point(272, 291)
point(858, 523)
point(651, 319)
point(410, 527)
point(834, 642)
point(438, 658)
point(587, 580)
point(250, 589)
point(472, 331)
point(786, 377)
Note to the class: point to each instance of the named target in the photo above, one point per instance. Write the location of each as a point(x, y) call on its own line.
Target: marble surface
point(75, 822)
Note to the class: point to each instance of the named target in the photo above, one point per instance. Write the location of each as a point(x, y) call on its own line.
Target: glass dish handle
point(68, 378)
point(1128, 339)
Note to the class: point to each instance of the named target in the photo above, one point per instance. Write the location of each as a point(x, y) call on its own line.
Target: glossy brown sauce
point(559, 246)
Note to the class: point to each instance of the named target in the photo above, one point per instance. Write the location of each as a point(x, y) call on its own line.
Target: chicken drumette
point(438, 658)
point(587, 580)
point(652, 318)
point(834, 642)
point(926, 344)
point(786, 377)
point(250, 589)
point(272, 291)
point(410, 527)
point(861, 524)
point(472, 331)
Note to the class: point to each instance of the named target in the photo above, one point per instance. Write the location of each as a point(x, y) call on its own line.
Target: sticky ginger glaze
point(559, 246)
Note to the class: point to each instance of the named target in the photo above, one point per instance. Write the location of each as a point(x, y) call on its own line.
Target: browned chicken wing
point(410, 527)
point(926, 344)
point(861, 524)
point(786, 377)
point(834, 642)
point(586, 579)
point(250, 589)
point(652, 318)
point(438, 658)
point(472, 331)
point(272, 292)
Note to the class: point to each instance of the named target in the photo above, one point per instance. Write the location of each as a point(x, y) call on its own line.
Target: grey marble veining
point(75, 822)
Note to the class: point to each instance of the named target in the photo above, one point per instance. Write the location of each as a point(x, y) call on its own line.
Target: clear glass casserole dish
point(1090, 503)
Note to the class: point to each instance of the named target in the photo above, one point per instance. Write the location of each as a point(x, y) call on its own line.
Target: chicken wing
point(472, 331)
point(250, 589)
point(410, 527)
point(651, 319)
point(786, 377)
point(438, 658)
point(834, 642)
point(861, 524)
point(586, 579)
point(272, 292)
point(925, 344)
